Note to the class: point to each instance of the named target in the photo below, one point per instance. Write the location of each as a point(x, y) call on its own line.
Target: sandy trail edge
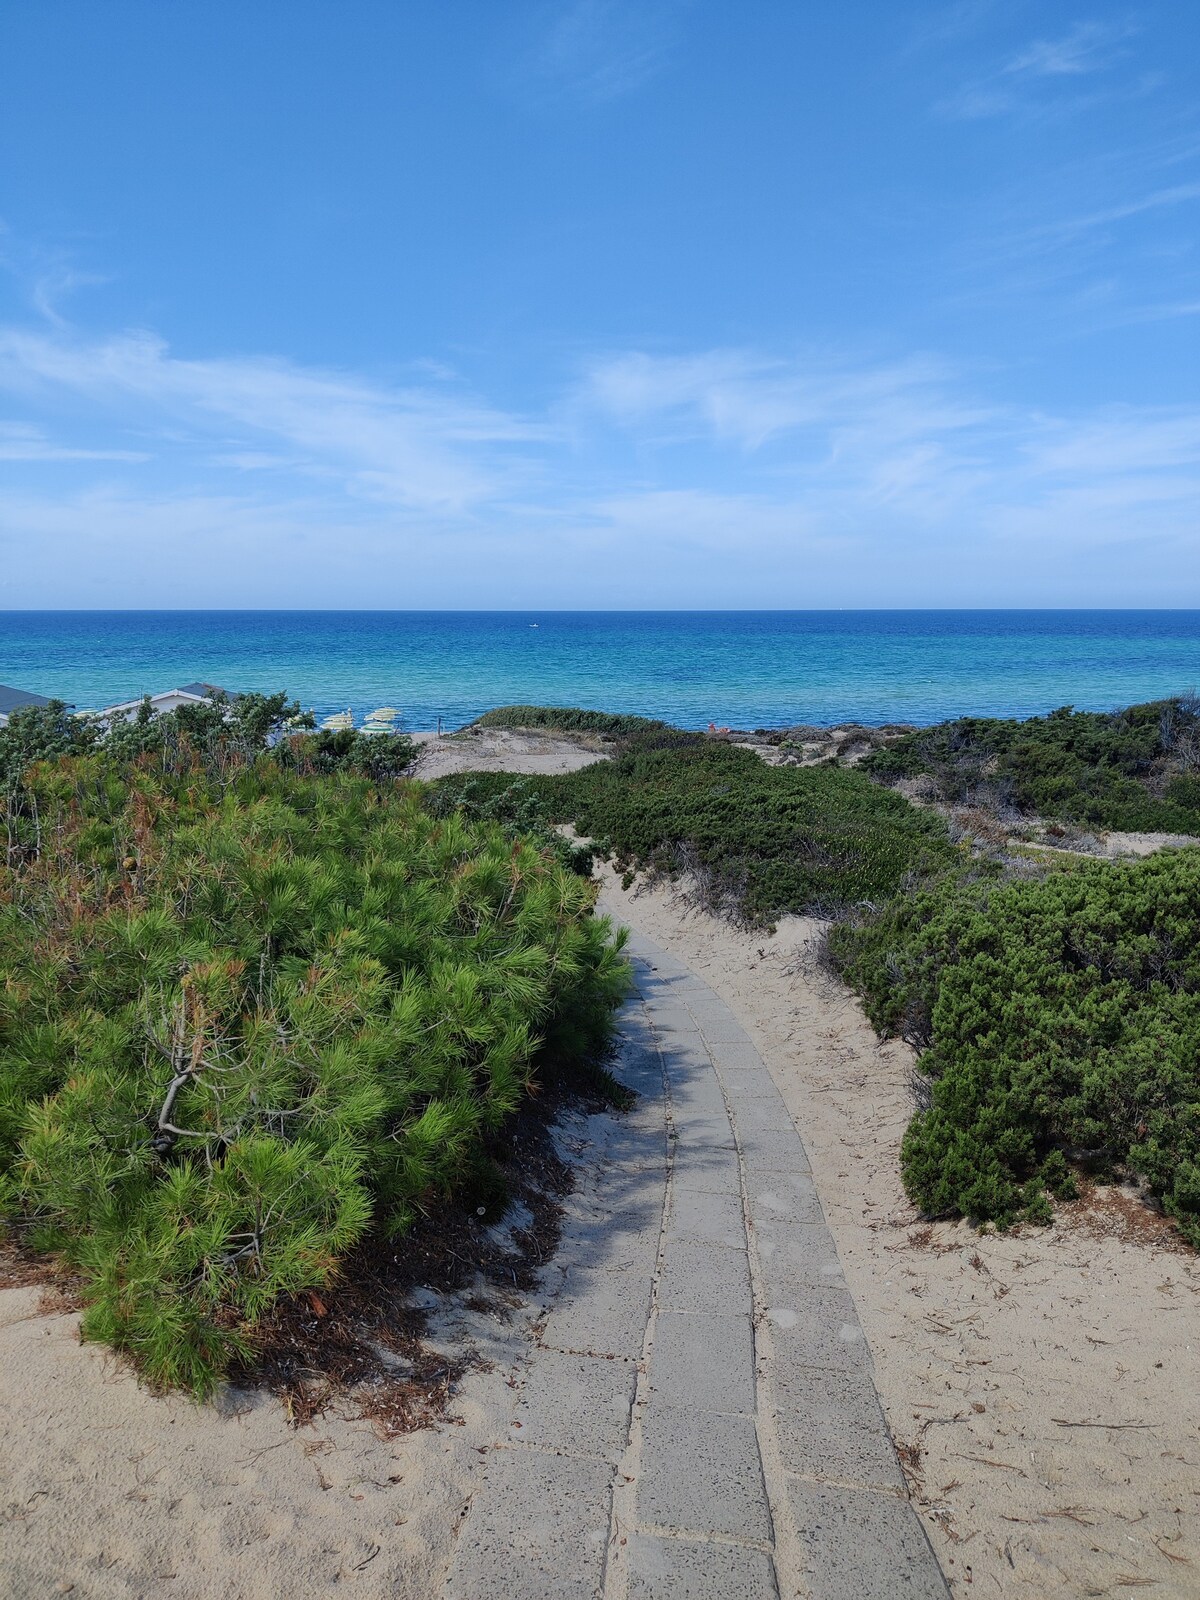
point(980, 1342)
point(108, 1493)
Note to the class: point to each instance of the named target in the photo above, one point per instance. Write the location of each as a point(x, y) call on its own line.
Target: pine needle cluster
point(249, 1013)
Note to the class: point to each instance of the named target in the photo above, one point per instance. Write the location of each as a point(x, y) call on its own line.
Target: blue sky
point(595, 303)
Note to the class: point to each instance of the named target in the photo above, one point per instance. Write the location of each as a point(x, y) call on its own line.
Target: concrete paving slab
point(722, 1489)
point(863, 1546)
point(830, 1425)
point(703, 1277)
point(703, 1126)
point(703, 1361)
point(703, 1167)
point(797, 1256)
point(695, 1101)
point(625, 1240)
point(579, 1404)
point(678, 986)
point(657, 968)
point(773, 1150)
point(775, 1198)
point(689, 1569)
point(649, 1087)
point(707, 1218)
point(761, 1114)
point(611, 1189)
point(643, 1073)
point(734, 1055)
point(821, 1329)
point(719, 1030)
point(696, 1091)
point(671, 1017)
point(537, 1529)
point(599, 1313)
point(636, 1147)
point(684, 1056)
point(749, 1083)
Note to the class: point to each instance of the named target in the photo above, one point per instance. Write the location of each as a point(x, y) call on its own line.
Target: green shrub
point(1097, 769)
point(1061, 1017)
point(571, 719)
point(378, 756)
point(248, 1013)
point(517, 804)
point(40, 733)
point(767, 840)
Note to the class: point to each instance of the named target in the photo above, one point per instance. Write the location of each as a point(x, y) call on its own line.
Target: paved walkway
point(699, 1418)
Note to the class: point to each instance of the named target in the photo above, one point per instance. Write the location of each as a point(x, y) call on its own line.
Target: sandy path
point(987, 1349)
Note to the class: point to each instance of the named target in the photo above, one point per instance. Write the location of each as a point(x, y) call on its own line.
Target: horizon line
point(570, 611)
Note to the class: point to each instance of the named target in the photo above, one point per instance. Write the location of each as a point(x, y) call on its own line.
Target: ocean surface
point(743, 669)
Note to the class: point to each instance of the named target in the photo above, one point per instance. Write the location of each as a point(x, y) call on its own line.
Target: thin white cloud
point(1046, 77)
point(1089, 47)
point(1071, 227)
point(416, 447)
point(21, 442)
point(741, 398)
point(603, 50)
point(694, 478)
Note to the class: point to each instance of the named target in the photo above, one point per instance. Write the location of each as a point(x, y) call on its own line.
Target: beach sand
point(1043, 1386)
point(110, 1493)
point(503, 750)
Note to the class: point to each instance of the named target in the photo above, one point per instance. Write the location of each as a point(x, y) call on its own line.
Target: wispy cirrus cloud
point(415, 447)
point(20, 441)
point(748, 399)
point(603, 50)
point(1046, 76)
point(698, 477)
point(911, 439)
point(1088, 47)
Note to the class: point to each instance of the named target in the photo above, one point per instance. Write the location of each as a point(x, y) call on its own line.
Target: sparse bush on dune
point(570, 719)
point(755, 841)
point(1061, 1019)
point(1136, 769)
point(249, 1013)
point(518, 804)
point(768, 840)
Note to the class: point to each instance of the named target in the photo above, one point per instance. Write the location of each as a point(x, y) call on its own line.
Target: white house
point(190, 694)
point(14, 699)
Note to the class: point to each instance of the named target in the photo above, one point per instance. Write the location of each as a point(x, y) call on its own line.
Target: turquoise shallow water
point(742, 668)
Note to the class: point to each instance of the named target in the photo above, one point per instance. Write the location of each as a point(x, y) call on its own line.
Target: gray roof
point(202, 689)
point(14, 699)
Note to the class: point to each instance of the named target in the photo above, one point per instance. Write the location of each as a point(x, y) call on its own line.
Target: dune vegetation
point(264, 997)
point(1058, 1020)
point(256, 1006)
point(1055, 1004)
point(1137, 769)
point(571, 719)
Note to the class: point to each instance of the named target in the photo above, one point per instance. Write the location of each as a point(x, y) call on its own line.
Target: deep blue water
point(741, 668)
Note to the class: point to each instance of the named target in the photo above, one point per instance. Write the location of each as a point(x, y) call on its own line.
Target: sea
point(741, 669)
